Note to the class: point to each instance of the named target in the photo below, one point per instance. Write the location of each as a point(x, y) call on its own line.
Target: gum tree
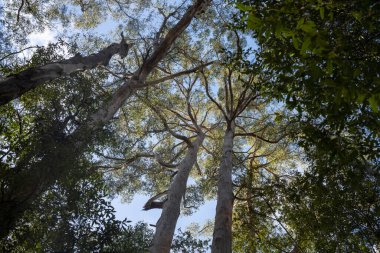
point(17, 198)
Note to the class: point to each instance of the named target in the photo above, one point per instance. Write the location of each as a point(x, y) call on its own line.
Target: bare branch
point(19, 11)
point(167, 165)
point(15, 85)
point(153, 203)
point(169, 39)
point(172, 76)
point(260, 137)
point(181, 117)
point(17, 52)
point(165, 123)
point(212, 99)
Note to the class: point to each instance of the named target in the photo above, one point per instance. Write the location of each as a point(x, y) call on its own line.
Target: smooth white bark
point(16, 85)
point(171, 210)
point(222, 236)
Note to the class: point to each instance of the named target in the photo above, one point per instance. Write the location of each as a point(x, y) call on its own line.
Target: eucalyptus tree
point(236, 100)
point(32, 172)
point(222, 236)
point(250, 130)
point(192, 122)
point(180, 126)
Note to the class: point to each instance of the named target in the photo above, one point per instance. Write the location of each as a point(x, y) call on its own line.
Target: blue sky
point(134, 212)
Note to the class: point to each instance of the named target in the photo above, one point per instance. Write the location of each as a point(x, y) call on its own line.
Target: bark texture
point(30, 180)
point(222, 236)
point(15, 85)
point(166, 224)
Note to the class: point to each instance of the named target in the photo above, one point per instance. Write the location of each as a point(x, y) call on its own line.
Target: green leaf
point(38, 246)
point(373, 103)
point(287, 33)
point(300, 22)
point(308, 27)
point(243, 7)
point(253, 22)
point(278, 32)
point(357, 15)
point(329, 67)
point(357, 72)
point(331, 15)
point(322, 12)
point(305, 45)
point(361, 98)
point(295, 42)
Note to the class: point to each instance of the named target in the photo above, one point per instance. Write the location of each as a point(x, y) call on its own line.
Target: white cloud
point(42, 38)
point(47, 36)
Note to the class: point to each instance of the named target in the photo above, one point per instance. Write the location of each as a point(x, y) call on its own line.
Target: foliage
point(331, 43)
point(318, 58)
point(185, 242)
point(34, 136)
point(321, 59)
point(138, 238)
point(256, 228)
point(73, 213)
point(73, 216)
point(335, 204)
point(133, 239)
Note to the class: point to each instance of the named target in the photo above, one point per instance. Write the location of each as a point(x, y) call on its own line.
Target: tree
point(171, 207)
point(315, 61)
point(73, 215)
point(80, 137)
point(188, 92)
point(38, 130)
point(135, 238)
point(181, 127)
point(332, 44)
point(320, 59)
point(239, 98)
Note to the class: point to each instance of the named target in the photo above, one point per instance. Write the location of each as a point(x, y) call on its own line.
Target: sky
point(133, 212)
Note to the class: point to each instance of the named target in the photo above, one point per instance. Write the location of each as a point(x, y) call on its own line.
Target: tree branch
point(260, 137)
point(152, 203)
point(172, 76)
point(16, 85)
point(212, 99)
point(169, 39)
point(165, 123)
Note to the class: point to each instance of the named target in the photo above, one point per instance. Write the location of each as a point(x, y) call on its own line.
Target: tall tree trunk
point(16, 85)
point(30, 180)
point(222, 236)
point(170, 212)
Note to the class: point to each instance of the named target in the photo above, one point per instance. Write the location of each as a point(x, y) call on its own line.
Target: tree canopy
point(271, 108)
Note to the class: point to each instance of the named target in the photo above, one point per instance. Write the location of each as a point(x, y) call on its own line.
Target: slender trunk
point(16, 85)
point(166, 224)
point(222, 236)
point(20, 189)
